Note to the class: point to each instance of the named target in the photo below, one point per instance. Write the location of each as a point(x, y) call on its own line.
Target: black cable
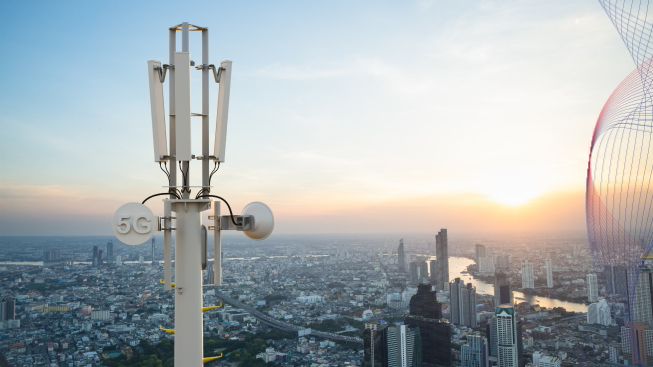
point(165, 170)
point(228, 207)
point(184, 176)
point(164, 193)
point(207, 190)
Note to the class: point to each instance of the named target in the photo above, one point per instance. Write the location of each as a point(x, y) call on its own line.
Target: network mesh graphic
point(619, 194)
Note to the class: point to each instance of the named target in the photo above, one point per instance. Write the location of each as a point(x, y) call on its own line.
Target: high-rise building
point(418, 272)
point(491, 335)
point(616, 279)
point(8, 310)
point(141, 259)
point(593, 288)
point(153, 243)
point(401, 261)
point(434, 272)
point(549, 273)
point(475, 352)
point(99, 257)
point(51, 255)
point(404, 346)
point(463, 303)
point(119, 260)
point(502, 262)
point(502, 292)
point(507, 337)
point(110, 251)
point(425, 303)
point(442, 255)
point(642, 307)
point(486, 264)
point(375, 347)
point(95, 251)
point(426, 314)
point(599, 313)
point(480, 252)
point(637, 353)
point(527, 278)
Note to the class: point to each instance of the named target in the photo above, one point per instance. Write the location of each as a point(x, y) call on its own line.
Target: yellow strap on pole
point(209, 359)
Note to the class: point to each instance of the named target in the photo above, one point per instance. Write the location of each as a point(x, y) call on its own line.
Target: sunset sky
point(345, 117)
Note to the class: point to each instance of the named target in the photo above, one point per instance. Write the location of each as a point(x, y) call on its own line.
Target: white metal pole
point(171, 98)
point(167, 245)
point(185, 164)
point(217, 245)
point(205, 109)
point(189, 343)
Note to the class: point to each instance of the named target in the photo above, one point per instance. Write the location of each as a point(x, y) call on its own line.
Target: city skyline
point(70, 164)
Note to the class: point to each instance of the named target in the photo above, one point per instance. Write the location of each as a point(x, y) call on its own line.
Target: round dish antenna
point(263, 220)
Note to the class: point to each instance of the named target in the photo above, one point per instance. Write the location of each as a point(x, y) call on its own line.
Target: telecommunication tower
point(134, 223)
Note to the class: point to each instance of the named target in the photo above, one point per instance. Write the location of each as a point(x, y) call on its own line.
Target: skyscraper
point(153, 243)
point(442, 254)
point(375, 347)
point(549, 273)
point(119, 260)
point(401, 261)
point(527, 278)
point(95, 251)
point(502, 292)
point(463, 303)
point(642, 307)
point(425, 303)
point(593, 288)
point(491, 334)
point(426, 314)
point(110, 251)
point(507, 348)
point(475, 352)
point(413, 270)
point(637, 353)
point(616, 279)
point(418, 272)
point(99, 257)
point(434, 272)
point(8, 310)
point(404, 346)
point(480, 252)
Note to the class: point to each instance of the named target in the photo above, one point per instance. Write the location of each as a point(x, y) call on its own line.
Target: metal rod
point(171, 104)
point(184, 37)
point(185, 164)
point(205, 108)
point(217, 245)
point(167, 246)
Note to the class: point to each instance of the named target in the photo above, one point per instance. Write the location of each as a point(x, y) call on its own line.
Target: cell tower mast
point(134, 223)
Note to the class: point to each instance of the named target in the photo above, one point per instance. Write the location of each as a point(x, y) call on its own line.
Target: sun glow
point(513, 189)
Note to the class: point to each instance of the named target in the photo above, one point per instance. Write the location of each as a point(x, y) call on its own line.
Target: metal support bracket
point(217, 72)
point(161, 226)
point(245, 222)
point(162, 71)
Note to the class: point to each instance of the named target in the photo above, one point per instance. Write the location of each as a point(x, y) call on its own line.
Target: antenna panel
point(182, 106)
point(158, 112)
point(223, 112)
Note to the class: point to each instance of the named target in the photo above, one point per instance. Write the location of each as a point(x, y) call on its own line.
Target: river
point(459, 264)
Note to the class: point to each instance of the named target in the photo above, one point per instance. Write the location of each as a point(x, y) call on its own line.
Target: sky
point(345, 117)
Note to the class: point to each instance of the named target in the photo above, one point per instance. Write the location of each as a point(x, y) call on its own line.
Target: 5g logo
point(133, 223)
point(124, 226)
